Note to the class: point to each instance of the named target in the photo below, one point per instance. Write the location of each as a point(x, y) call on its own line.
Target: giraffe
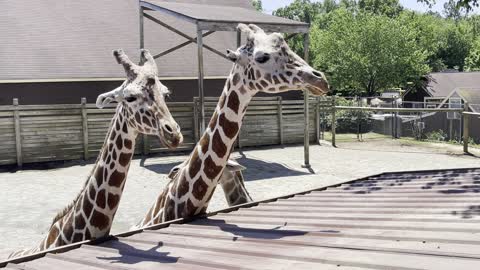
point(231, 181)
point(265, 63)
point(141, 109)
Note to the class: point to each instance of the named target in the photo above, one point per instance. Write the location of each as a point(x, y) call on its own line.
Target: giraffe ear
point(109, 97)
point(233, 166)
point(233, 56)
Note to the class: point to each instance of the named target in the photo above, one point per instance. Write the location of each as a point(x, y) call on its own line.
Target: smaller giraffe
point(232, 183)
point(141, 109)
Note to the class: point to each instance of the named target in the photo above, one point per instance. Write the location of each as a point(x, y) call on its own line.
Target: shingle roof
point(472, 96)
point(442, 84)
point(53, 39)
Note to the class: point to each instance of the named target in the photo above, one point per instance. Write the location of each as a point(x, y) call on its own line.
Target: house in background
point(59, 51)
point(444, 88)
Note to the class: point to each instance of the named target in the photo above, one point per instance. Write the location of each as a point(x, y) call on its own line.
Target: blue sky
point(270, 5)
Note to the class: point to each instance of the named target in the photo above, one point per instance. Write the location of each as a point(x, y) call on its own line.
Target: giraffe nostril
point(318, 74)
point(168, 128)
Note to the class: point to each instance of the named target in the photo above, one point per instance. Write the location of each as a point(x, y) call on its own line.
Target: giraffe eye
point(131, 99)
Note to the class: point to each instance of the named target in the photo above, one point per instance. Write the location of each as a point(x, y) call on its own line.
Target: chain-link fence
point(371, 119)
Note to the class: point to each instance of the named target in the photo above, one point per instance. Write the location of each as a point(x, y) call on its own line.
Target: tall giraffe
point(265, 64)
point(141, 109)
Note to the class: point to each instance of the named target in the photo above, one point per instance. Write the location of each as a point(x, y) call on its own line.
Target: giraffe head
point(267, 64)
point(143, 97)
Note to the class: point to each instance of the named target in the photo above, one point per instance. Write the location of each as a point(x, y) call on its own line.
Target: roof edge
point(94, 79)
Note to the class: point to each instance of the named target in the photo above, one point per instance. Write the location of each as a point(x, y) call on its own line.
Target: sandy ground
point(30, 198)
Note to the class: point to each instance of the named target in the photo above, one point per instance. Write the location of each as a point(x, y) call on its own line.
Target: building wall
point(72, 92)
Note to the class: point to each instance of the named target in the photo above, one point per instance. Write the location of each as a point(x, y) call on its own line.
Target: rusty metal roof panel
point(411, 220)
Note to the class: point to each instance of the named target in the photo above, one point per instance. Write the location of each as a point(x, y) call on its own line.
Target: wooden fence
point(38, 133)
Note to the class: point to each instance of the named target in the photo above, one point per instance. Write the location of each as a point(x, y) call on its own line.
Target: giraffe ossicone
point(141, 109)
point(265, 63)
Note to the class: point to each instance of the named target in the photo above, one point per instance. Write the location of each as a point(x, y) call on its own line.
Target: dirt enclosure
point(30, 198)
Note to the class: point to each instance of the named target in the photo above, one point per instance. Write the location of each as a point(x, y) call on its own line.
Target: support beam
point(200, 79)
point(306, 142)
point(18, 131)
point(184, 35)
point(180, 46)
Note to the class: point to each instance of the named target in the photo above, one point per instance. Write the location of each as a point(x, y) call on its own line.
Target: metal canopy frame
point(211, 26)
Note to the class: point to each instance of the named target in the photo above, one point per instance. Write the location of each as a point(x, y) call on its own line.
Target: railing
point(462, 111)
point(37, 133)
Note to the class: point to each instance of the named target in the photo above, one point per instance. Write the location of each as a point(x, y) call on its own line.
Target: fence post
point(18, 137)
point(85, 127)
point(280, 119)
point(466, 120)
point(317, 120)
point(334, 122)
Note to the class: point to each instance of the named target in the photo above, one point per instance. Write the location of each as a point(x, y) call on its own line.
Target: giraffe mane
point(67, 208)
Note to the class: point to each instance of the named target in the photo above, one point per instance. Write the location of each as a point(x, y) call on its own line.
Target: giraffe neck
point(190, 190)
point(234, 188)
point(91, 214)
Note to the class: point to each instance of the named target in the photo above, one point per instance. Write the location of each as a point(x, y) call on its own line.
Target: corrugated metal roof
point(71, 39)
point(405, 220)
point(443, 83)
point(218, 14)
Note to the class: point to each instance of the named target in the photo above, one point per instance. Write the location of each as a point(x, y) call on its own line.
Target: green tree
point(390, 8)
point(468, 4)
point(472, 61)
point(257, 4)
point(365, 54)
point(453, 11)
point(458, 42)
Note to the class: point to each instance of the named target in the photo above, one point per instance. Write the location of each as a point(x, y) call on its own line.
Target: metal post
point(18, 137)
point(196, 133)
point(85, 128)
point(200, 80)
point(306, 140)
point(142, 40)
point(334, 122)
point(466, 135)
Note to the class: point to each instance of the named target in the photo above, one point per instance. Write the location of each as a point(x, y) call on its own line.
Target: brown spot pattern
point(183, 188)
point(229, 128)
point(113, 200)
point(199, 188)
point(124, 159)
point(211, 169)
point(195, 163)
point(101, 199)
point(99, 220)
point(91, 192)
point(52, 236)
point(116, 178)
point(218, 146)
point(235, 79)
point(79, 222)
point(128, 143)
point(204, 142)
point(99, 175)
point(87, 206)
point(213, 121)
point(119, 142)
point(233, 102)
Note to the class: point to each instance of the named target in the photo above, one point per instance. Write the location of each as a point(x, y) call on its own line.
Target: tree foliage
point(257, 4)
point(367, 54)
point(367, 46)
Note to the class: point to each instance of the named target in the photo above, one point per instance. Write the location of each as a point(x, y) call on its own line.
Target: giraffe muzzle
point(171, 135)
point(316, 83)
